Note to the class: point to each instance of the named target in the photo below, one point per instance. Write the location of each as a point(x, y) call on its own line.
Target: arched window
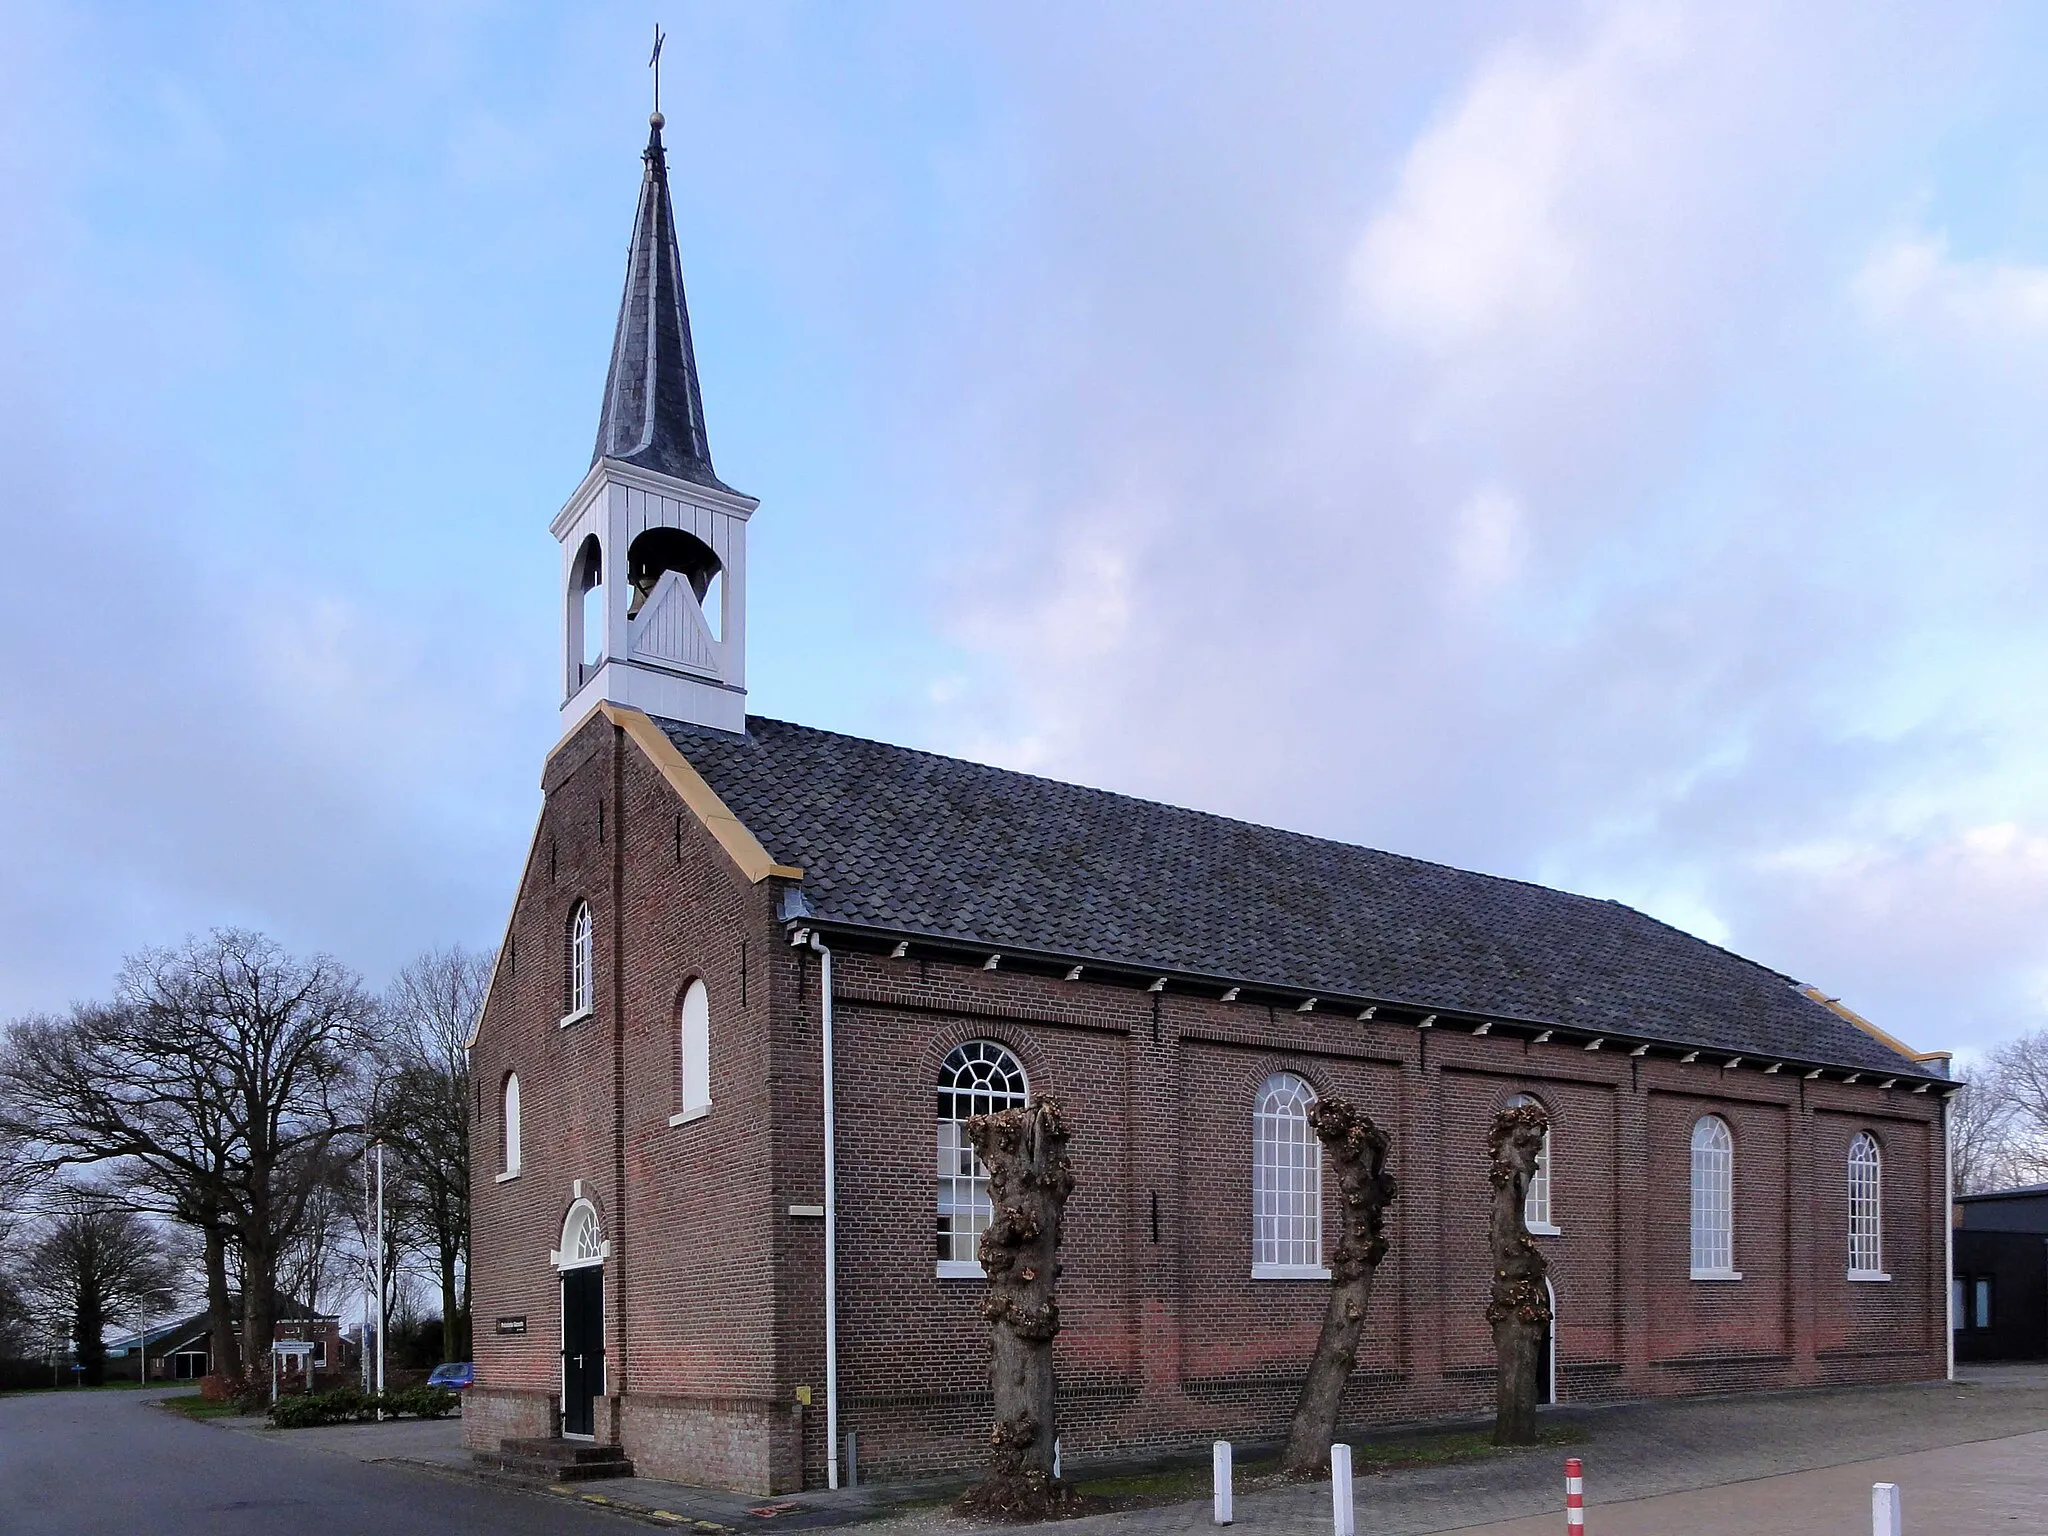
point(583, 1241)
point(511, 1123)
point(978, 1078)
point(1713, 1200)
point(693, 1051)
point(576, 969)
point(1536, 1204)
point(1866, 1209)
point(1287, 1182)
point(586, 612)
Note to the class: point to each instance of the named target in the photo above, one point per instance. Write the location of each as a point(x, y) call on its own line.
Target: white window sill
point(1871, 1275)
point(506, 1177)
point(695, 1112)
point(961, 1269)
point(1717, 1274)
point(575, 1018)
point(1290, 1272)
point(1545, 1229)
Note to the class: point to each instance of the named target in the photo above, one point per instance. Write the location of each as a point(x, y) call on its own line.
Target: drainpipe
point(831, 1221)
point(1948, 1226)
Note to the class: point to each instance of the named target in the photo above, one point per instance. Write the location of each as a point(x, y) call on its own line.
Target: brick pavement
point(1635, 1451)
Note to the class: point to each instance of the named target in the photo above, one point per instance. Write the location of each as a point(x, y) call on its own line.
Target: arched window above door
point(583, 1241)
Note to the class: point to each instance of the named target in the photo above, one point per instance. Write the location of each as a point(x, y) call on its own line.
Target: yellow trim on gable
point(740, 845)
point(1836, 1006)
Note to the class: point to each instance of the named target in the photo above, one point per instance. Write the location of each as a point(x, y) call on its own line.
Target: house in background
point(183, 1350)
point(1999, 1298)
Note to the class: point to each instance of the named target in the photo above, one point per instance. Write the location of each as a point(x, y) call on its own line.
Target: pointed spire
point(653, 412)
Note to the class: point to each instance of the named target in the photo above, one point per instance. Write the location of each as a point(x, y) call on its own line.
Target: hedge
point(350, 1406)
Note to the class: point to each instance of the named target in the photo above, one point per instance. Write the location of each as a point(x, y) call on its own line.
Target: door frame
point(592, 1251)
point(1555, 1396)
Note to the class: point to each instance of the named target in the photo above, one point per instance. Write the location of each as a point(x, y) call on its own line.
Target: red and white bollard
point(1574, 1497)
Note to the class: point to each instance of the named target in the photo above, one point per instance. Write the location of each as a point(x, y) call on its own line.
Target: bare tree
point(214, 1084)
point(2017, 1078)
point(1520, 1303)
point(1358, 1151)
point(424, 1113)
point(1029, 1179)
point(93, 1262)
point(1981, 1132)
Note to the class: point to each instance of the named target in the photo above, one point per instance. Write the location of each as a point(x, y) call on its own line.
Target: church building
point(757, 974)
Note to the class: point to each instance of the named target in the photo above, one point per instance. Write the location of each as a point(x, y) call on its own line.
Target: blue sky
point(1599, 444)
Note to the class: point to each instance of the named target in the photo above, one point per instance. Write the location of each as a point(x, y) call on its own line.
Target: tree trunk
point(451, 1320)
point(1520, 1305)
point(1358, 1150)
point(89, 1325)
point(1030, 1178)
point(220, 1317)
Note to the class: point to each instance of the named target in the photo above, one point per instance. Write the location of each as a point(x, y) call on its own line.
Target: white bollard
point(1884, 1510)
point(1219, 1461)
point(1343, 1516)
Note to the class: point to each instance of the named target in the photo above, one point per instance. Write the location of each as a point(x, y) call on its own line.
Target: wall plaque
point(512, 1325)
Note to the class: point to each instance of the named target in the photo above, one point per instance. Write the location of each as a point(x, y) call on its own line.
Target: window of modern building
point(978, 1078)
point(511, 1124)
point(693, 1053)
point(580, 988)
point(1713, 1200)
point(1536, 1211)
point(1287, 1183)
point(1866, 1209)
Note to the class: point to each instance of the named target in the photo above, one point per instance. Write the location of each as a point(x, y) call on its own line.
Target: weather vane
point(654, 63)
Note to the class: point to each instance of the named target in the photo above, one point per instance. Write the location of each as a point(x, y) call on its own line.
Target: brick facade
point(713, 1287)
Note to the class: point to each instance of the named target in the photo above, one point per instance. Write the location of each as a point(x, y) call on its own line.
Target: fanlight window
point(1536, 1203)
point(511, 1120)
point(978, 1078)
point(580, 986)
point(1287, 1181)
point(582, 1237)
point(694, 1047)
point(1713, 1199)
point(1866, 1207)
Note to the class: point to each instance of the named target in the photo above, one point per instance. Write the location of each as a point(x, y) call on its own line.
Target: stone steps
point(554, 1461)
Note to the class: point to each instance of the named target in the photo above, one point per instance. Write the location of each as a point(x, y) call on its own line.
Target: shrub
point(349, 1406)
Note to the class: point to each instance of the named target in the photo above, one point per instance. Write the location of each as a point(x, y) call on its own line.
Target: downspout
point(1948, 1226)
point(831, 1219)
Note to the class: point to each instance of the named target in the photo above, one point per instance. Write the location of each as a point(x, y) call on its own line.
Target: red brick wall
point(1168, 1341)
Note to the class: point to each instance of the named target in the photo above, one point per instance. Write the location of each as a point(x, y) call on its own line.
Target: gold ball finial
point(656, 121)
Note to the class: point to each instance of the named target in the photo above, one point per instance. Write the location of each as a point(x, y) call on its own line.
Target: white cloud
point(1912, 280)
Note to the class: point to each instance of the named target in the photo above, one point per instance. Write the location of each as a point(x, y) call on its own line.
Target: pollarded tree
point(1520, 1303)
point(1029, 1178)
point(1358, 1151)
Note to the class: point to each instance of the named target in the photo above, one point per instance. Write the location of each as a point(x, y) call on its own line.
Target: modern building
point(757, 974)
point(1999, 1297)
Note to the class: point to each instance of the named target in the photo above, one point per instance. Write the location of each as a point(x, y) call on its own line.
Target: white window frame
point(1713, 1200)
point(511, 1128)
point(583, 1243)
point(1866, 1209)
point(979, 1077)
point(582, 967)
point(693, 1054)
point(1287, 1183)
point(1536, 1204)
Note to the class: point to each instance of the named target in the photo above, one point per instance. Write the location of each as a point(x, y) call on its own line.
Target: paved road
point(83, 1463)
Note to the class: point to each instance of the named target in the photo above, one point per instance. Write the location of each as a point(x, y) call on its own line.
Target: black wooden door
point(582, 1347)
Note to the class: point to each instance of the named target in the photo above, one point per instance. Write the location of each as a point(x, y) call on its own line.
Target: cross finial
point(654, 63)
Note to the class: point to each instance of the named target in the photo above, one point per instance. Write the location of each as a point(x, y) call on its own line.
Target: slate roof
point(912, 843)
point(653, 412)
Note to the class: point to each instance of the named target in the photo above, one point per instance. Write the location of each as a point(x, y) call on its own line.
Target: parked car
point(455, 1375)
